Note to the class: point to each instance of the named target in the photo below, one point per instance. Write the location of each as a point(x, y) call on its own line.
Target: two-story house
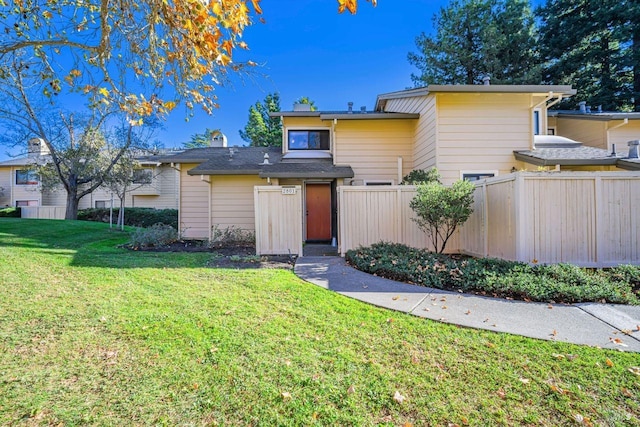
point(466, 131)
point(154, 185)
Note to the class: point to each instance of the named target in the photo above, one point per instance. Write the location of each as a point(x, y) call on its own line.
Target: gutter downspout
point(210, 222)
point(532, 145)
point(619, 125)
point(333, 140)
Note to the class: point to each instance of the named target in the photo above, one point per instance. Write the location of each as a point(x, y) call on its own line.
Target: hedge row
point(137, 217)
point(10, 213)
point(547, 283)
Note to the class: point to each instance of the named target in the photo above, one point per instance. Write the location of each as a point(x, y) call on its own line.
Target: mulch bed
point(226, 256)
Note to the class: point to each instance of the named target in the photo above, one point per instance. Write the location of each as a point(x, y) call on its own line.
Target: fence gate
point(278, 213)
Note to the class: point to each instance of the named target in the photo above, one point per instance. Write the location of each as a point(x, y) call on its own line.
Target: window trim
point(479, 172)
point(30, 174)
point(378, 182)
point(307, 128)
point(146, 171)
point(28, 205)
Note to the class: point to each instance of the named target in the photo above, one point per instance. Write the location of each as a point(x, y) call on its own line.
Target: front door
point(318, 207)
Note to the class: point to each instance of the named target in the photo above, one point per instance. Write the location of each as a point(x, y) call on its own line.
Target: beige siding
point(479, 132)
point(5, 187)
point(193, 212)
point(589, 132)
point(278, 220)
point(232, 201)
point(623, 134)
point(425, 139)
point(165, 196)
point(372, 148)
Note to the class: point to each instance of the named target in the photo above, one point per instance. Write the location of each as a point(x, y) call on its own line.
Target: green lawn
point(93, 334)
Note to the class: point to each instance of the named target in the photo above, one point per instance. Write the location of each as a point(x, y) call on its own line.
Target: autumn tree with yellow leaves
point(135, 58)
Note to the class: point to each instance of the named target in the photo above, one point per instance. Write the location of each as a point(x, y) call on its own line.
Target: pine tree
point(591, 45)
point(475, 38)
point(262, 130)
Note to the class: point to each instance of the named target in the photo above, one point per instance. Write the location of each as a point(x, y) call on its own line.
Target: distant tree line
point(592, 45)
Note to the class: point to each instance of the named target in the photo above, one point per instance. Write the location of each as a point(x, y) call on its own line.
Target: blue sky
point(307, 49)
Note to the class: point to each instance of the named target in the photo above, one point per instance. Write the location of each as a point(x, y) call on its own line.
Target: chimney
point(350, 105)
point(363, 109)
point(486, 80)
point(633, 149)
point(301, 107)
point(583, 106)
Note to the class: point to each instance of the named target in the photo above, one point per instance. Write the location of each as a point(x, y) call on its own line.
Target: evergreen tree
point(475, 38)
point(262, 130)
point(199, 140)
point(593, 46)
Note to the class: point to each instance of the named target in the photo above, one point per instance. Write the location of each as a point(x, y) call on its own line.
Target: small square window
point(26, 177)
point(26, 203)
point(101, 204)
point(142, 176)
point(477, 176)
point(308, 140)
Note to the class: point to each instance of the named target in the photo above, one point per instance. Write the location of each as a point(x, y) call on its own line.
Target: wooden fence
point(278, 216)
point(370, 214)
point(584, 218)
point(590, 219)
point(43, 212)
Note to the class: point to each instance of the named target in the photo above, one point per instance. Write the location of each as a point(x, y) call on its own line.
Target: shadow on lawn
point(92, 244)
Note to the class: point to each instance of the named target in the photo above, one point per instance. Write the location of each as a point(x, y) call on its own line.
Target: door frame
point(332, 207)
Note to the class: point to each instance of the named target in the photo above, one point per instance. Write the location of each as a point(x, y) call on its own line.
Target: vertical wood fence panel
point(278, 216)
point(371, 214)
point(43, 212)
point(584, 218)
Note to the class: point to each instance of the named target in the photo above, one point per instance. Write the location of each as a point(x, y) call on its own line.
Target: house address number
point(288, 190)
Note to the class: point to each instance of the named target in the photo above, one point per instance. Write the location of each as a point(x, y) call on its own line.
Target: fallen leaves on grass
point(351, 389)
point(285, 395)
point(618, 341)
point(635, 370)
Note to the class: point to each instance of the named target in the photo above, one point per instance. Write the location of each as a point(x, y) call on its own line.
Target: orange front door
point(318, 211)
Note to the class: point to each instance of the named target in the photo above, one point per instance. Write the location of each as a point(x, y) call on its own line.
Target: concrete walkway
point(602, 325)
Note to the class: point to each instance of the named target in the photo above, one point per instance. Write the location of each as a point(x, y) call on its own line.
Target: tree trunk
point(72, 205)
point(121, 214)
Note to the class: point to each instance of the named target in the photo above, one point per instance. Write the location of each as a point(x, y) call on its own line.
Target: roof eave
point(194, 172)
point(631, 166)
point(564, 162)
point(369, 116)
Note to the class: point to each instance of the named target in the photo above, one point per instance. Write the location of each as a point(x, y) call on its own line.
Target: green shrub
point(10, 213)
point(136, 217)
point(232, 236)
point(559, 283)
point(155, 236)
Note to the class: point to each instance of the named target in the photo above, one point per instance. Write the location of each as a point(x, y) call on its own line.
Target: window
point(477, 176)
point(378, 183)
point(26, 203)
point(537, 122)
point(308, 140)
point(26, 177)
point(101, 204)
point(142, 176)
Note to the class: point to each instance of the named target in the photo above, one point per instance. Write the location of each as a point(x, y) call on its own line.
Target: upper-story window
point(26, 177)
point(142, 176)
point(308, 140)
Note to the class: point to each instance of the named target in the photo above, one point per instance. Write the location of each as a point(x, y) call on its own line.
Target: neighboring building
point(155, 185)
point(466, 131)
point(607, 131)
